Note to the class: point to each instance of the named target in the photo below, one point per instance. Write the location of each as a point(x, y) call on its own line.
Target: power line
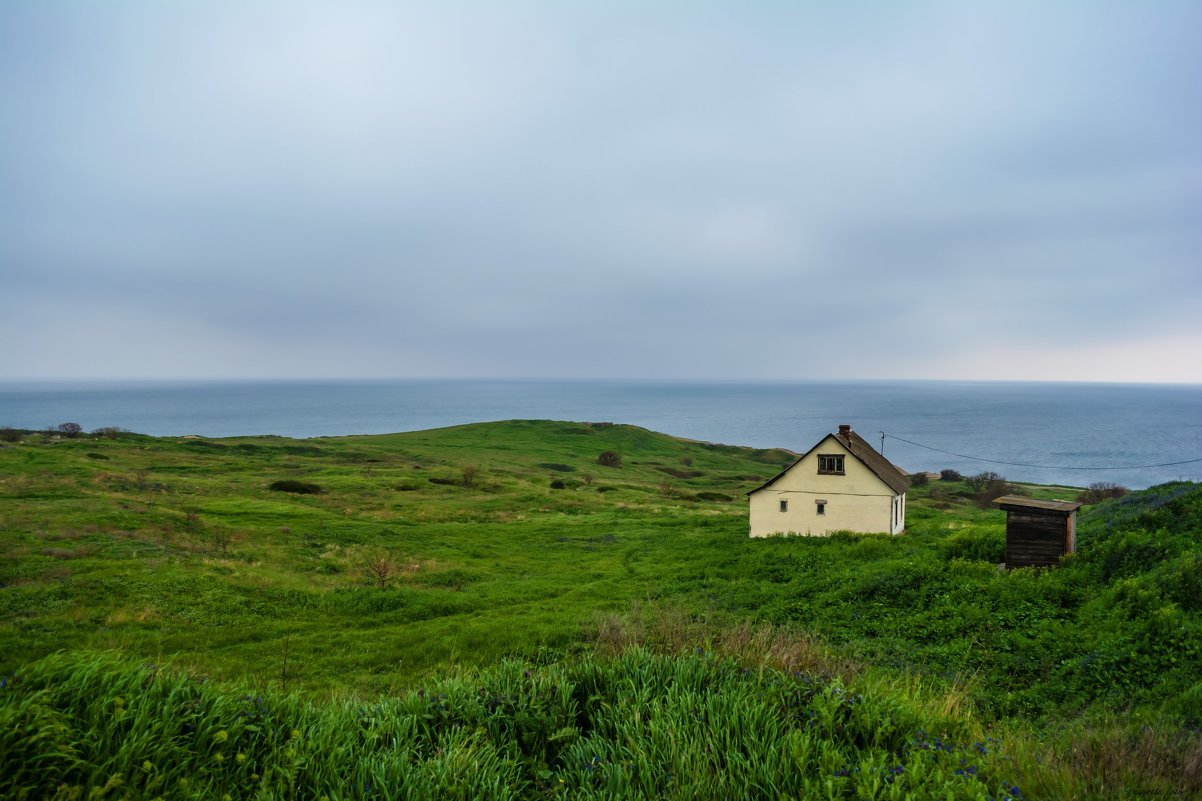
point(1044, 466)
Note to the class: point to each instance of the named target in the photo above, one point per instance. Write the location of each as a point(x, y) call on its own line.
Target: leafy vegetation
point(403, 575)
point(294, 486)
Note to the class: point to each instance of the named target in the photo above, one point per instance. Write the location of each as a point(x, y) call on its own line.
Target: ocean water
point(1045, 432)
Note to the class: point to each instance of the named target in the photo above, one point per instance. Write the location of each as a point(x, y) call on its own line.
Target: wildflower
point(240, 758)
point(146, 766)
point(295, 733)
point(221, 736)
point(219, 757)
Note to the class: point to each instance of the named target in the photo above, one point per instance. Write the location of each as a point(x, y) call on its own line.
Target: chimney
point(845, 432)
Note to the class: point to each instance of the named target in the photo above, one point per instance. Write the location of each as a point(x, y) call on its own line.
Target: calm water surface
point(1060, 425)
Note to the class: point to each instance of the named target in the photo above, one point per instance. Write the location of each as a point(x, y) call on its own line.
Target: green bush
point(294, 486)
point(980, 545)
point(609, 459)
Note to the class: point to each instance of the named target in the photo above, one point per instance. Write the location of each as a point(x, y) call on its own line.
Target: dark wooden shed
point(1038, 533)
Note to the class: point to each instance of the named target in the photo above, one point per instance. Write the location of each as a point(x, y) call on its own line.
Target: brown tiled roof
point(881, 467)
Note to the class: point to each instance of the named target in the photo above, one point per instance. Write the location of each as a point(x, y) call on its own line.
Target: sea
point(1072, 434)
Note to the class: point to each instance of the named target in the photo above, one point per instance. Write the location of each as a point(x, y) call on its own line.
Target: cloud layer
point(938, 190)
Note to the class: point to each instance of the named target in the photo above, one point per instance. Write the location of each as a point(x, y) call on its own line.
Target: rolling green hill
point(465, 557)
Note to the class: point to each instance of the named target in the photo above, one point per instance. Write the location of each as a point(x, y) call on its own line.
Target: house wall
point(855, 501)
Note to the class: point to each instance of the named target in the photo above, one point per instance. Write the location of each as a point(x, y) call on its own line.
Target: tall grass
point(636, 725)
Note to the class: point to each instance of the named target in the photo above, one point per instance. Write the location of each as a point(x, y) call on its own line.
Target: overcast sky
point(768, 190)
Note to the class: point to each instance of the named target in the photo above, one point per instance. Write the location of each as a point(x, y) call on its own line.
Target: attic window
point(830, 465)
point(784, 505)
point(820, 507)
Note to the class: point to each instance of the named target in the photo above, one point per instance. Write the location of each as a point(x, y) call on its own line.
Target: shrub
point(468, 475)
point(986, 486)
point(70, 430)
point(379, 568)
point(557, 483)
point(980, 545)
point(106, 432)
point(609, 459)
point(294, 486)
point(949, 475)
point(1102, 490)
point(10, 435)
point(919, 479)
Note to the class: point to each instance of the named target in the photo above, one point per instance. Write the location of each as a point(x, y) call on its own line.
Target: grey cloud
point(534, 189)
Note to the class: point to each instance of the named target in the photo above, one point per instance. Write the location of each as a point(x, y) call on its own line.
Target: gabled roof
point(858, 447)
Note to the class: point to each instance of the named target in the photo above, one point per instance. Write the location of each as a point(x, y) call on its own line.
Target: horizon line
point(567, 379)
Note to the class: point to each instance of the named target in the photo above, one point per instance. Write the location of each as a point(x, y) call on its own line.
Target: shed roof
point(881, 467)
point(1033, 503)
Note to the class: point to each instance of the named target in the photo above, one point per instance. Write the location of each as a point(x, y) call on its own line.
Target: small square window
point(784, 506)
point(821, 507)
point(830, 464)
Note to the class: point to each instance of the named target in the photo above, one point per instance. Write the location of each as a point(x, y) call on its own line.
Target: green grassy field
point(516, 553)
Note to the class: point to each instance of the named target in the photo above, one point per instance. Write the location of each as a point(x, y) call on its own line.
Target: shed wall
point(1036, 539)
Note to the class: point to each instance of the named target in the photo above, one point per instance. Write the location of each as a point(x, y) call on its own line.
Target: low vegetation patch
point(294, 486)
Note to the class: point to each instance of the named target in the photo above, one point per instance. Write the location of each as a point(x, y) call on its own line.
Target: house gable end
point(880, 467)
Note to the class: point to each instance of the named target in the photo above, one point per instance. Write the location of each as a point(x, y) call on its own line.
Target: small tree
point(919, 479)
point(70, 430)
point(221, 538)
point(949, 475)
point(980, 481)
point(379, 567)
point(986, 486)
point(609, 459)
point(587, 478)
point(468, 475)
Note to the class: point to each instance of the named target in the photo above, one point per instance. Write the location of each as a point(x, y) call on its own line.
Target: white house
point(841, 484)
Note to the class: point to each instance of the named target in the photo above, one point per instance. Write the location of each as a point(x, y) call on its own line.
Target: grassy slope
point(102, 553)
point(110, 544)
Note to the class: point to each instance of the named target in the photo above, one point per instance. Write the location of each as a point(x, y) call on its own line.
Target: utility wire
point(1045, 466)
